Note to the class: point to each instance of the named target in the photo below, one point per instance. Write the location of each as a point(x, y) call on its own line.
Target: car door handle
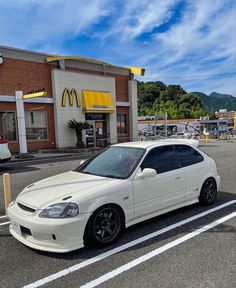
point(178, 177)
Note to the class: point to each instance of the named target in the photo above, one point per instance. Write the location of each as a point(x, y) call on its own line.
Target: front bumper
point(52, 235)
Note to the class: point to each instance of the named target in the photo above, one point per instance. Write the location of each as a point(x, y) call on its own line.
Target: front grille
point(25, 230)
point(26, 208)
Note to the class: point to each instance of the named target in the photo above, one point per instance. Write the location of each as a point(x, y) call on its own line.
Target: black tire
point(104, 226)
point(208, 192)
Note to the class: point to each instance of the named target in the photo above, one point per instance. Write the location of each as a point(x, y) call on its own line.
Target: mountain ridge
point(219, 95)
point(215, 101)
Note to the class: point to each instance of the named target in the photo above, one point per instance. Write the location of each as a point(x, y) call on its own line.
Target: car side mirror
point(82, 162)
point(148, 172)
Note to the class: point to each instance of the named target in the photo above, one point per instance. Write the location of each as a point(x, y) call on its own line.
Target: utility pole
point(166, 125)
point(155, 126)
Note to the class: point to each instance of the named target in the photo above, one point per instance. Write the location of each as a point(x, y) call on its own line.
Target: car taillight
point(3, 140)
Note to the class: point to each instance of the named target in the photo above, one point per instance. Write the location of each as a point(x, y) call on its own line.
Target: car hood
point(52, 190)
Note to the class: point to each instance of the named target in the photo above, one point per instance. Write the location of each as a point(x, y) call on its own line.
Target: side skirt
point(159, 212)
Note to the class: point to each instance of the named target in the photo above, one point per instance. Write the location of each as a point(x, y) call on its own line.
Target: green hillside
point(219, 101)
point(218, 95)
point(158, 98)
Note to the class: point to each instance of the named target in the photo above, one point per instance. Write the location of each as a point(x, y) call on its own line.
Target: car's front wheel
point(104, 226)
point(208, 192)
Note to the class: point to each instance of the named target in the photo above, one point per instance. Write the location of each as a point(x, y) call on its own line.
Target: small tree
point(78, 126)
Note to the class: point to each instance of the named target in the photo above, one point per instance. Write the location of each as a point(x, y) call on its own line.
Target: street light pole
point(155, 131)
point(166, 125)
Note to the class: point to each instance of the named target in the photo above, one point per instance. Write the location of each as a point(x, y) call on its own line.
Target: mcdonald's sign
point(70, 94)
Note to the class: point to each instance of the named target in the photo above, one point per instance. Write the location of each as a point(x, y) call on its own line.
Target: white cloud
point(201, 42)
point(140, 16)
point(200, 31)
point(26, 23)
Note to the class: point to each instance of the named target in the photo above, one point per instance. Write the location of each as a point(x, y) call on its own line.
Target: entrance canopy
point(97, 102)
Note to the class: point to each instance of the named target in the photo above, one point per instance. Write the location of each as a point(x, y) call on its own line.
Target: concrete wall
point(62, 79)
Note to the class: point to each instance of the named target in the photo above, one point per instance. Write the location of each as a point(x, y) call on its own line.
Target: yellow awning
point(97, 102)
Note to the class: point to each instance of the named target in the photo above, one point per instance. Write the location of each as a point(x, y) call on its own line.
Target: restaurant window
point(122, 124)
point(36, 125)
point(8, 125)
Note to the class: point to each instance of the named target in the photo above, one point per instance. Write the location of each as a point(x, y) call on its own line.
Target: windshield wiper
point(87, 173)
point(111, 176)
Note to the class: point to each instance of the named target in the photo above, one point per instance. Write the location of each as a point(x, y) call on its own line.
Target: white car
point(5, 154)
point(126, 184)
point(192, 142)
point(181, 135)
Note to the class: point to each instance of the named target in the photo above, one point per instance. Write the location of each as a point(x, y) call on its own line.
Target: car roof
point(156, 143)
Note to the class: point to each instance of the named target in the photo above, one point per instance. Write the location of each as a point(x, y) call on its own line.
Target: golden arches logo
point(70, 94)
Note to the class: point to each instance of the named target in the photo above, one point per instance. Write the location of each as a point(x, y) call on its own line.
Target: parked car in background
point(192, 142)
point(181, 135)
point(5, 154)
point(124, 185)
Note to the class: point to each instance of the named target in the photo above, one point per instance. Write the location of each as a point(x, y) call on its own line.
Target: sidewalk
point(56, 153)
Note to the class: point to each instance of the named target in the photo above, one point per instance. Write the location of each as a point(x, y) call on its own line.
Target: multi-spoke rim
point(106, 224)
point(209, 189)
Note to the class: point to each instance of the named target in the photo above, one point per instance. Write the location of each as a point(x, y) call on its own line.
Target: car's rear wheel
point(104, 226)
point(208, 192)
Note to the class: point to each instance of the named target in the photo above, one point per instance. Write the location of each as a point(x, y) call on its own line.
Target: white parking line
point(4, 223)
point(155, 252)
point(111, 252)
point(5, 216)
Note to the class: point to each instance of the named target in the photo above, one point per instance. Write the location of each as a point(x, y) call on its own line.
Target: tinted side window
point(188, 155)
point(162, 159)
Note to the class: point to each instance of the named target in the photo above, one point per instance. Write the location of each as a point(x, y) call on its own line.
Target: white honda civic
point(125, 184)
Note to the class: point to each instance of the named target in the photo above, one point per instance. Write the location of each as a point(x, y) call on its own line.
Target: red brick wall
point(34, 145)
point(121, 82)
point(24, 76)
point(122, 88)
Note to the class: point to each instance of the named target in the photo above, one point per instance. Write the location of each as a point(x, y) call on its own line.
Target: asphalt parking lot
point(190, 247)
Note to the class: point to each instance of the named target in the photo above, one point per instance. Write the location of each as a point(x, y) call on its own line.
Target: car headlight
point(60, 210)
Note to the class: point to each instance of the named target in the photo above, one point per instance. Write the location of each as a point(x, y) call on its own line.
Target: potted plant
point(78, 126)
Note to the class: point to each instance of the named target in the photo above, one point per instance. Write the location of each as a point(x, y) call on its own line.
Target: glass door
point(101, 133)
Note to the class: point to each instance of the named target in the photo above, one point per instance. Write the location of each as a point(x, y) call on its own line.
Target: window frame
point(16, 125)
point(159, 147)
point(180, 158)
point(127, 124)
point(46, 119)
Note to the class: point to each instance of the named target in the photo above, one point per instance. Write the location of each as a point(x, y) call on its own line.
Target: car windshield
point(115, 162)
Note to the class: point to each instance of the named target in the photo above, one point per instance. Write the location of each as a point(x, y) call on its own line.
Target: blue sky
point(191, 43)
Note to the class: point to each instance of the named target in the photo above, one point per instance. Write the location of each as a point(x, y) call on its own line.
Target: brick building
point(77, 88)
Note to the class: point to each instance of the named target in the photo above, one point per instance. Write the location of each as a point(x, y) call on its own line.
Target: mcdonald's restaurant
point(57, 89)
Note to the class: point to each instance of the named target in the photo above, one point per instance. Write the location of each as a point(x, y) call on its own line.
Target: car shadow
point(154, 224)
point(17, 169)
